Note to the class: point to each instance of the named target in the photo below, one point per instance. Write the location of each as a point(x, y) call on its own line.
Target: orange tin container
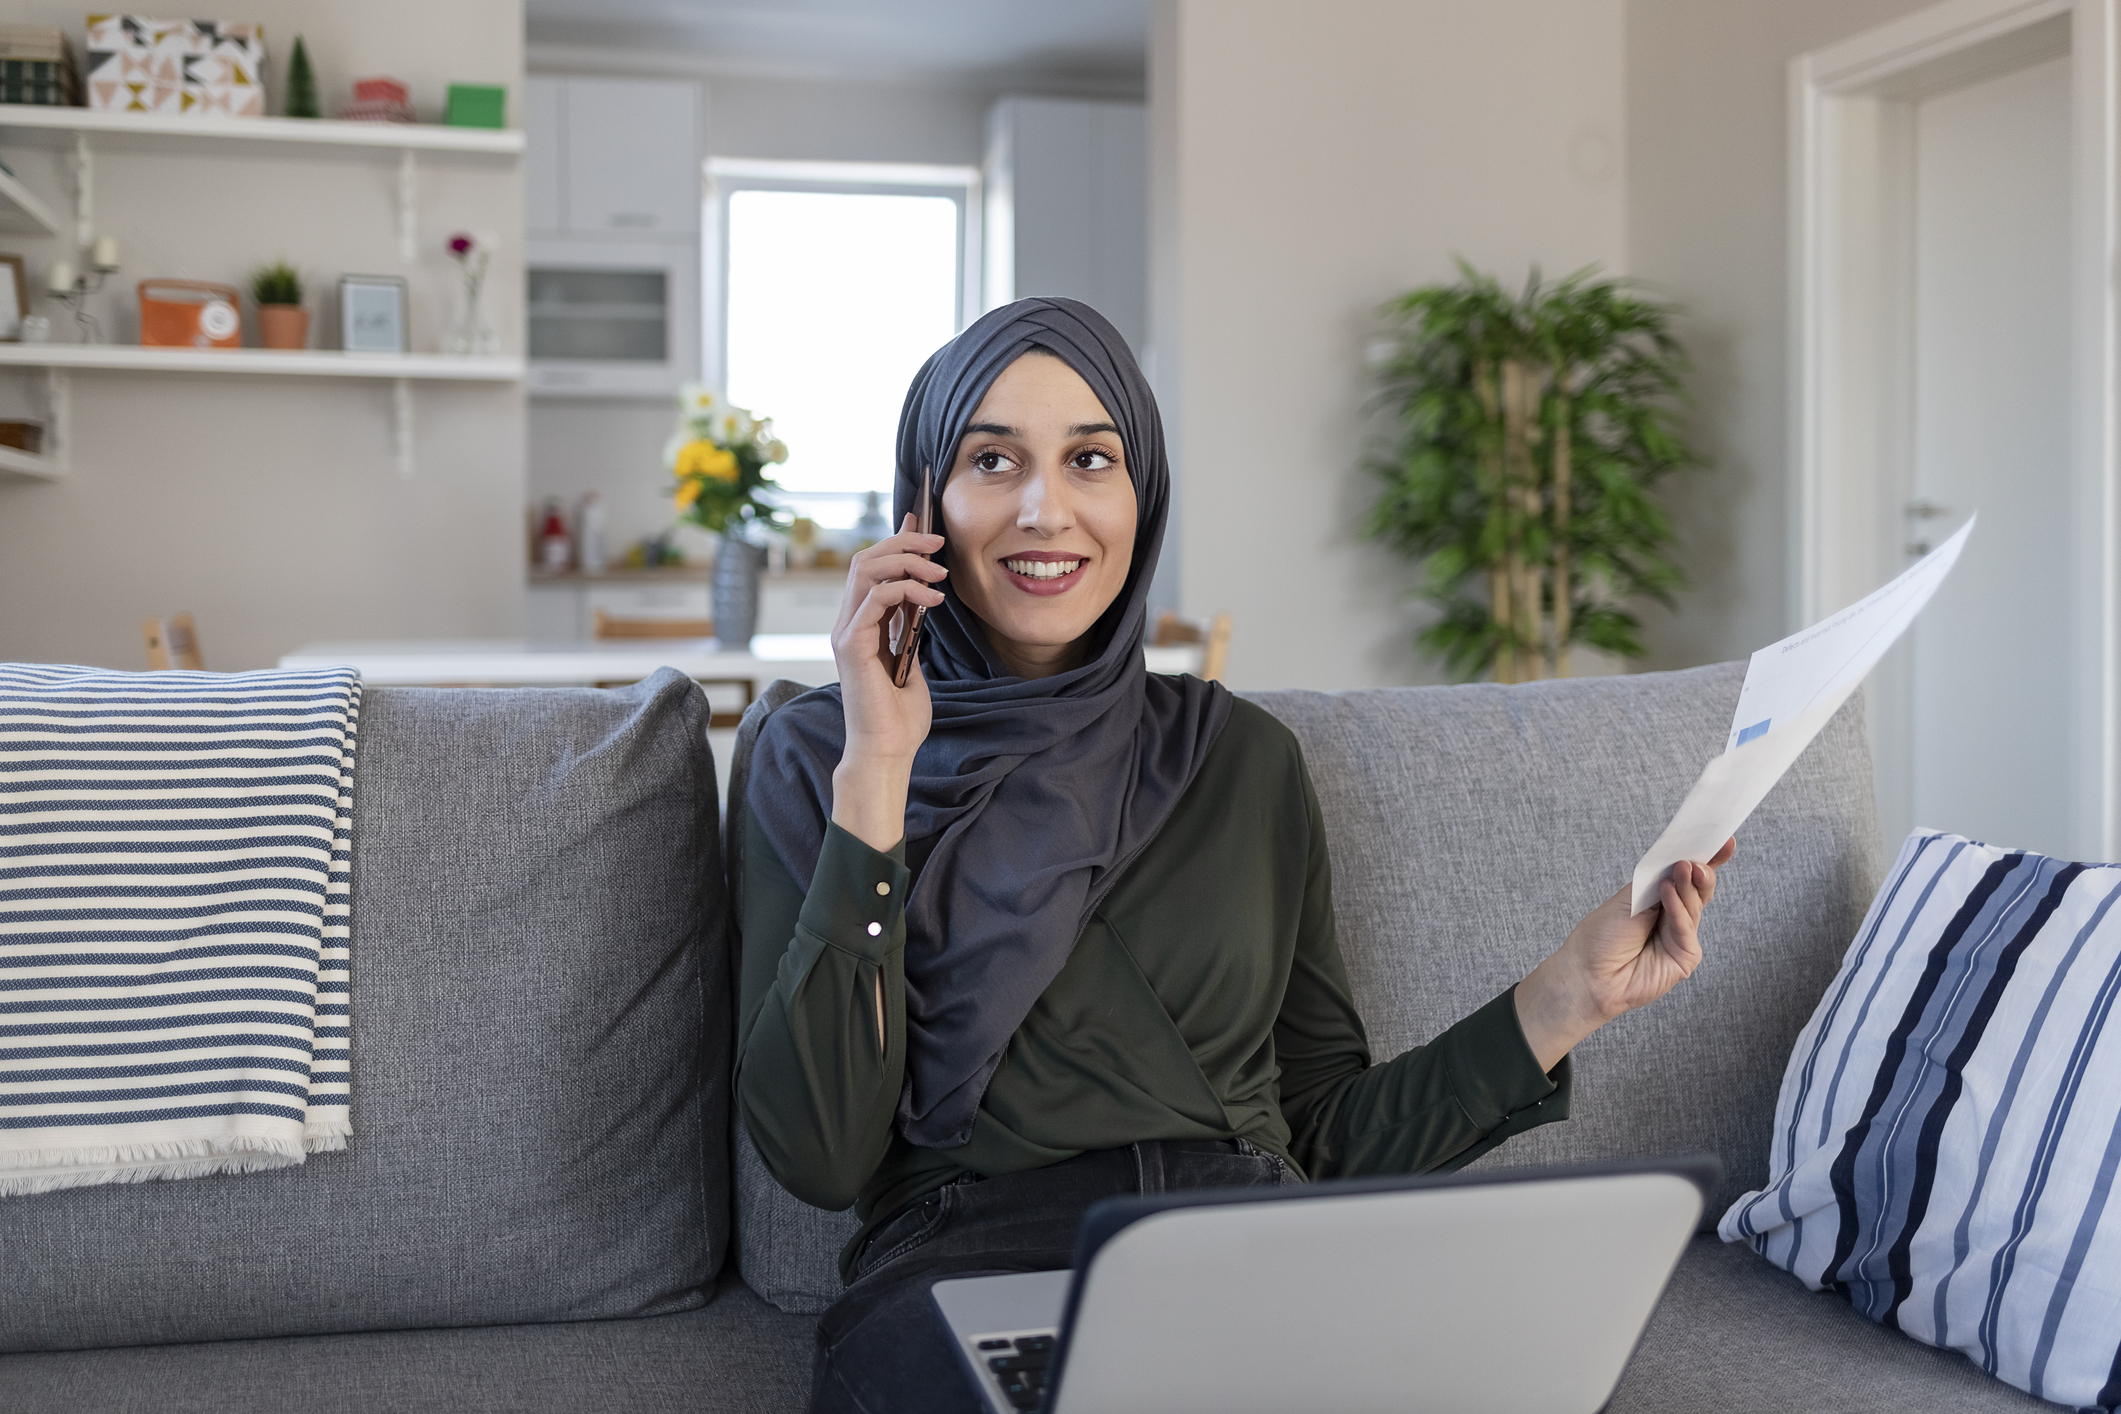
point(189, 314)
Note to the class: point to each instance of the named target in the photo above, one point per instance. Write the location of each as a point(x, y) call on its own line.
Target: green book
point(476, 105)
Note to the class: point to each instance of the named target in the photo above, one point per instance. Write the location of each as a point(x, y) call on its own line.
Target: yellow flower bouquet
point(718, 457)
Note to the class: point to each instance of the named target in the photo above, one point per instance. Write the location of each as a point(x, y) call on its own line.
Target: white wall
point(1307, 163)
point(270, 507)
point(1707, 225)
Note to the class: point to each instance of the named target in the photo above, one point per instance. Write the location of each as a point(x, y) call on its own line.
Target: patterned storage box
point(139, 65)
point(37, 66)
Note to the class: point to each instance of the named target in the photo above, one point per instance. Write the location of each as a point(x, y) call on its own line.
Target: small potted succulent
point(282, 321)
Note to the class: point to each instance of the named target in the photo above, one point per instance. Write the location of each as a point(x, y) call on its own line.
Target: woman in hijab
point(1040, 927)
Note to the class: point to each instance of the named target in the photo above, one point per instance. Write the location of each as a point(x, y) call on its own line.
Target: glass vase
point(471, 333)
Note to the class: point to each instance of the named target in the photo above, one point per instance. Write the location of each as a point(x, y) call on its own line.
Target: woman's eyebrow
point(1000, 429)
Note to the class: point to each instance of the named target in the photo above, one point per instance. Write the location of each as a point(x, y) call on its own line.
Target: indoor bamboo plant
point(1530, 432)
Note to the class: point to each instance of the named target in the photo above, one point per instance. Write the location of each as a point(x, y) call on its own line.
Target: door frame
point(1852, 352)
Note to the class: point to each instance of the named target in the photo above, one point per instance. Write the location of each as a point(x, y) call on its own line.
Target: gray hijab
point(1029, 798)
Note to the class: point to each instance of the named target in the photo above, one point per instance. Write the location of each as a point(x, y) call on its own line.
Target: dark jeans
point(882, 1348)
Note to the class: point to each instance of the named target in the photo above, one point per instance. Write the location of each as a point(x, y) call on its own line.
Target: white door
point(1989, 661)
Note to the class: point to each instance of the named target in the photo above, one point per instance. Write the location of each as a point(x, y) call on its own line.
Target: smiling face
point(1039, 514)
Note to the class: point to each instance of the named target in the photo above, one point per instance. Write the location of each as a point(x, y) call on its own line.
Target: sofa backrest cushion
point(787, 1251)
point(540, 1114)
point(1471, 827)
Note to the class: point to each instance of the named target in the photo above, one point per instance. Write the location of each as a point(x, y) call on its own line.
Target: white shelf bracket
point(58, 418)
point(408, 206)
point(401, 442)
point(84, 193)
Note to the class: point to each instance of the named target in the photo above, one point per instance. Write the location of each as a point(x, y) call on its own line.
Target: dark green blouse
point(1206, 999)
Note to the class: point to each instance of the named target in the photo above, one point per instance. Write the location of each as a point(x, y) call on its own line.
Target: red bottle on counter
point(555, 546)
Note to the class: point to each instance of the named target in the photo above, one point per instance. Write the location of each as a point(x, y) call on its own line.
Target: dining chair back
point(172, 643)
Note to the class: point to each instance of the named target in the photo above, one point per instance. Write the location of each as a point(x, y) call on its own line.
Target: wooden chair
point(609, 627)
point(1172, 631)
point(172, 644)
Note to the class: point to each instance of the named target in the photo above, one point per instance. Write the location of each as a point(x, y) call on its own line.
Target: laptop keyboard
point(1018, 1365)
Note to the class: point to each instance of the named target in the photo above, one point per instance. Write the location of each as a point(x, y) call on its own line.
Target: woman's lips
point(1045, 584)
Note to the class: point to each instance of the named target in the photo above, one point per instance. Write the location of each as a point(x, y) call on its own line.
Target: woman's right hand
point(885, 724)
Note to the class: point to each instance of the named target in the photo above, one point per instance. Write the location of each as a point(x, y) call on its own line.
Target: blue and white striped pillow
point(1949, 1129)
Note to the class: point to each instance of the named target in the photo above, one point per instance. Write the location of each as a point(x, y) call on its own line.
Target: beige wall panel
point(1308, 163)
point(1708, 225)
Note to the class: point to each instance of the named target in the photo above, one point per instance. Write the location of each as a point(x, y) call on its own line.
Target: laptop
point(1470, 1293)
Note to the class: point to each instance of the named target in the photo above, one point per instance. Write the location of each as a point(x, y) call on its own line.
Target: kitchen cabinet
point(541, 157)
point(564, 606)
point(1067, 196)
point(612, 158)
point(612, 189)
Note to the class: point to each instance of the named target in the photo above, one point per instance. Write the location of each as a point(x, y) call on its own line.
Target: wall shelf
point(314, 363)
point(14, 462)
point(22, 213)
point(86, 132)
point(89, 130)
point(59, 361)
point(27, 122)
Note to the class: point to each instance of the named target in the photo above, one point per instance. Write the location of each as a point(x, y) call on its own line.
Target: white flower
point(698, 399)
point(776, 451)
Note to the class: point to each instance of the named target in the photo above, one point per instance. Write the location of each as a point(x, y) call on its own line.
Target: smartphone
point(902, 629)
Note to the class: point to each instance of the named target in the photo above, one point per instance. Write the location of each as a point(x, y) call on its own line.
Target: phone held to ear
point(902, 627)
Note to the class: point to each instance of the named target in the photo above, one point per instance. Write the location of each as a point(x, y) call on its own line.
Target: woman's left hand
point(1612, 963)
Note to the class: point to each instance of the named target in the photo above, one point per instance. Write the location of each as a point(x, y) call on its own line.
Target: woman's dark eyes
point(1088, 459)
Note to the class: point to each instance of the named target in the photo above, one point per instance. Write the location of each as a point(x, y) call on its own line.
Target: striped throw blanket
point(174, 912)
point(1949, 1131)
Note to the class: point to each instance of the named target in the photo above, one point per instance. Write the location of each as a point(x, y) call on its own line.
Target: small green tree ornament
point(301, 84)
point(1531, 429)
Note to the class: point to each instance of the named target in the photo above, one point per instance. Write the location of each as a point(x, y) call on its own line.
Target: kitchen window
point(829, 284)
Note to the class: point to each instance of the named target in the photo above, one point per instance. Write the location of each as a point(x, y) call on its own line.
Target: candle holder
point(73, 290)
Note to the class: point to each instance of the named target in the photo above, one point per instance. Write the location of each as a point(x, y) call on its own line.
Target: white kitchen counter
point(498, 662)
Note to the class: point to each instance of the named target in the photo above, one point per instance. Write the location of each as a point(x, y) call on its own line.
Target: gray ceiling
point(1096, 41)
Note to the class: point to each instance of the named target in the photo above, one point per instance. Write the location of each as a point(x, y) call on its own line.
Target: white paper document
point(1792, 689)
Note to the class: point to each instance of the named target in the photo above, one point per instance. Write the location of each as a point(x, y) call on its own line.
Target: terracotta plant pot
point(283, 326)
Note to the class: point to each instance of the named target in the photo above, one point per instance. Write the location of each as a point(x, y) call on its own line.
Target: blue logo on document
point(1757, 729)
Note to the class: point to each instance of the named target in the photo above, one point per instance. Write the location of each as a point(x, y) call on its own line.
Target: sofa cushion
point(1471, 827)
point(788, 1250)
point(734, 1356)
point(540, 1128)
point(1734, 1335)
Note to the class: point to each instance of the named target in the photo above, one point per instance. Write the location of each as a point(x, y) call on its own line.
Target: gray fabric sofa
point(544, 1206)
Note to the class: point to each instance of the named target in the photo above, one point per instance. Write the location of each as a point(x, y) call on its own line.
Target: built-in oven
point(613, 320)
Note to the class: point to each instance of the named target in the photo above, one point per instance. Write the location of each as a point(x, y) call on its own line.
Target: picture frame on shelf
point(14, 298)
point(372, 314)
